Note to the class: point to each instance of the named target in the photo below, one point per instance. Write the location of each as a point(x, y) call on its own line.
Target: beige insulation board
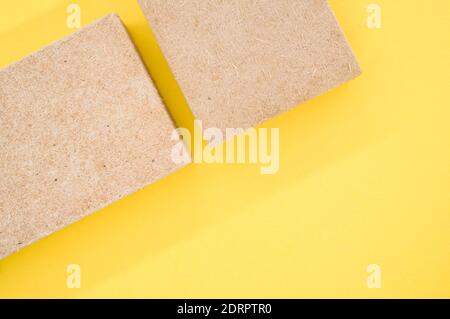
point(81, 126)
point(240, 62)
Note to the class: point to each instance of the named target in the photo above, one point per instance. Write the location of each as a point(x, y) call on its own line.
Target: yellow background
point(364, 179)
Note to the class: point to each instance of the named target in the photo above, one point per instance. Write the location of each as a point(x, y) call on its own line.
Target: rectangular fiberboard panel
point(81, 126)
point(240, 62)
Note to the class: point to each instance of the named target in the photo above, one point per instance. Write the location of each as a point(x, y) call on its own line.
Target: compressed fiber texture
point(81, 126)
point(240, 62)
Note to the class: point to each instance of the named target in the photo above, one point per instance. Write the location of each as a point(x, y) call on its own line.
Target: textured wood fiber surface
point(81, 126)
point(240, 62)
